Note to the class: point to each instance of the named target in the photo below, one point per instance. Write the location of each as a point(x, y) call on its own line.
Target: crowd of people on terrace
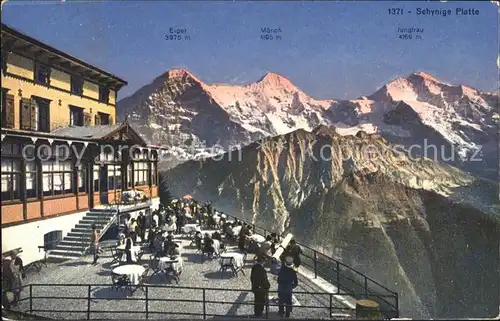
point(186, 217)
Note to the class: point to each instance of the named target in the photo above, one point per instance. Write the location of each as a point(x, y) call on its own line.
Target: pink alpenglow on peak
point(181, 73)
point(275, 79)
point(426, 76)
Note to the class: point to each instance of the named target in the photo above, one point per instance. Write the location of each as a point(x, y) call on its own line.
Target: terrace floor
point(195, 274)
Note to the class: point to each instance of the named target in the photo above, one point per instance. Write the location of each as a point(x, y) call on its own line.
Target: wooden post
point(367, 310)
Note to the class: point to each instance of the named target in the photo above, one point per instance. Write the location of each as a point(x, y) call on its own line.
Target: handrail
point(326, 301)
point(335, 268)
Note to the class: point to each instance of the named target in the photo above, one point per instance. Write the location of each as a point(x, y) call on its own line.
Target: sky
point(330, 50)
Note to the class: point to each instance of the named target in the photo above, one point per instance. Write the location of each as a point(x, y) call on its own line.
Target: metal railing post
point(331, 304)
point(366, 288)
point(31, 298)
point(338, 276)
point(267, 305)
point(397, 305)
point(88, 302)
point(204, 305)
point(315, 265)
point(147, 303)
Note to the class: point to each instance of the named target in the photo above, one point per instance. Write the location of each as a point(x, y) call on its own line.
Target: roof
point(99, 132)
point(10, 37)
point(91, 132)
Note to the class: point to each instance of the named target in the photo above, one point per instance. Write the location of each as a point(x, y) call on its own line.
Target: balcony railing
point(342, 276)
point(189, 301)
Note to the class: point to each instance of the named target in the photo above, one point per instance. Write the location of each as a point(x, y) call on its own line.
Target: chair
point(43, 262)
point(119, 282)
point(117, 255)
point(227, 264)
point(154, 264)
point(143, 278)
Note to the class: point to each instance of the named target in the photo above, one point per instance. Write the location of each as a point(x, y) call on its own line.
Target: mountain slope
point(454, 124)
point(374, 208)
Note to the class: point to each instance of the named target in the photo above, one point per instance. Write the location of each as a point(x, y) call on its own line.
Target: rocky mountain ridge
point(407, 223)
point(191, 117)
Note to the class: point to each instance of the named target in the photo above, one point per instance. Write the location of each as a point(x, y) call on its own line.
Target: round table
point(166, 262)
point(133, 271)
point(237, 258)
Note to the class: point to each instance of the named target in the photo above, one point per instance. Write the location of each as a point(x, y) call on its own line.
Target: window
point(42, 74)
point(114, 177)
point(129, 176)
point(57, 177)
point(31, 180)
point(154, 178)
point(76, 85)
point(76, 116)
point(82, 180)
point(96, 177)
point(7, 109)
point(102, 119)
point(34, 114)
point(11, 179)
point(141, 173)
point(5, 57)
point(104, 94)
point(52, 239)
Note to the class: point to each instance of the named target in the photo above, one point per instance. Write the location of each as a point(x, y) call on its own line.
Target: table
point(166, 262)
point(133, 271)
point(257, 238)
point(237, 258)
point(190, 228)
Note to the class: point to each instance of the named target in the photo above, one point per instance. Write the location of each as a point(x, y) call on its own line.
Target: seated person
point(217, 236)
point(158, 244)
point(168, 245)
point(174, 250)
point(198, 238)
point(265, 247)
point(208, 245)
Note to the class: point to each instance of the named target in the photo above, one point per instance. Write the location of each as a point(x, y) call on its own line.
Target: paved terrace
point(195, 274)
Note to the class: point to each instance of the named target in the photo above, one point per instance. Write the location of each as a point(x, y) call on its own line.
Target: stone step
point(103, 210)
point(98, 215)
point(70, 248)
point(79, 234)
point(76, 242)
point(83, 230)
point(89, 225)
point(76, 238)
point(72, 254)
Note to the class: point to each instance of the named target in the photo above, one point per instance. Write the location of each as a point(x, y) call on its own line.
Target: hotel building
point(66, 162)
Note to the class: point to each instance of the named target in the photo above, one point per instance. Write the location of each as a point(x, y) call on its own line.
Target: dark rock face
point(389, 217)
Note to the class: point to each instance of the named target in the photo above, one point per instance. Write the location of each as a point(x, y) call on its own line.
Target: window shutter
point(87, 119)
point(33, 116)
point(97, 120)
point(110, 120)
point(9, 111)
point(25, 113)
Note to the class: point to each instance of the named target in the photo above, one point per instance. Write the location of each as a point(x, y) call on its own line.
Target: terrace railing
point(149, 302)
point(342, 276)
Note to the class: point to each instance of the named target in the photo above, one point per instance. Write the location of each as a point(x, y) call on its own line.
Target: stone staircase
point(77, 241)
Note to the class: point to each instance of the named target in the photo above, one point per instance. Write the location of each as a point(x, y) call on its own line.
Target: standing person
point(6, 281)
point(128, 250)
point(94, 243)
point(141, 222)
point(156, 220)
point(17, 269)
point(287, 281)
point(260, 286)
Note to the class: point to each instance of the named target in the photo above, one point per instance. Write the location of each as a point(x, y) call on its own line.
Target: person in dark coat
point(293, 250)
point(260, 286)
point(128, 249)
point(141, 223)
point(287, 281)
